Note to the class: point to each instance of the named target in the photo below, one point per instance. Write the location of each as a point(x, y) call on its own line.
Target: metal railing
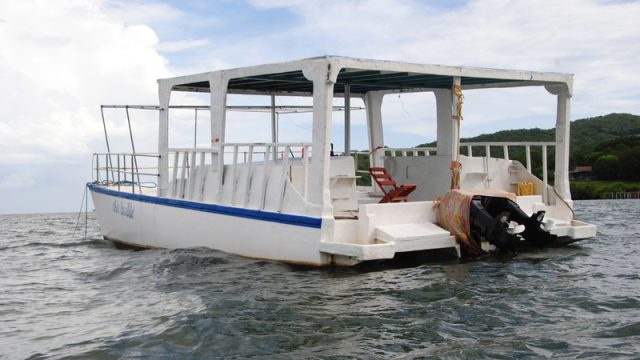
point(268, 154)
point(417, 151)
point(185, 161)
point(191, 166)
point(622, 195)
point(485, 151)
point(505, 146)
point(124, 170)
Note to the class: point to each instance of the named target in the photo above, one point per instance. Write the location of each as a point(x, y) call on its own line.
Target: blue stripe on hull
point(296, 220)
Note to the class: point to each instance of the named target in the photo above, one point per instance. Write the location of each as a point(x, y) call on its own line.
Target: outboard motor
point(491, 227)
point(490, 217)
point(489, 214)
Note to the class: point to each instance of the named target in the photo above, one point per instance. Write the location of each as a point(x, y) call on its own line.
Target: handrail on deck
point(188, 183)
point(393, 152)
point(120, 172)
point(487, 145)
point(271, 154)
point(156, 155)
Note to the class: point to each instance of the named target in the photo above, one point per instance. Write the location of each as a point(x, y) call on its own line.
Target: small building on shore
point(581, 173)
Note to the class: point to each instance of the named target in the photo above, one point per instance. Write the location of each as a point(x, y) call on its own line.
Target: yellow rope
point(457, 90)
point(456, 166)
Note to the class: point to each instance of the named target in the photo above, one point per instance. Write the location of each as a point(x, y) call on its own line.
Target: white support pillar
point(527, 149)
point(274, 131)
point(323, 78)
point(347, 120)
point(544, 165)
point(164, 91)
point(218, 86)
point(446, 130)
point(373, 104)
point(561, 177)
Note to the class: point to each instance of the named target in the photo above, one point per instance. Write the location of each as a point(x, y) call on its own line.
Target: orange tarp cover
point(453, 213)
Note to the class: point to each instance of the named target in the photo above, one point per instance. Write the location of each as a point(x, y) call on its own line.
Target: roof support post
point(447, 128)
point(323, 77)
point(274, 133)
point(195, 128)
point(373, 104)
point(561, 177)
point(347, 120)
point(164, 92)
point(218, 86)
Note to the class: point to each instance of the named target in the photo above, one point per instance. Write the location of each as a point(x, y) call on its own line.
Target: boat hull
point(381, 231)
point(152, 222)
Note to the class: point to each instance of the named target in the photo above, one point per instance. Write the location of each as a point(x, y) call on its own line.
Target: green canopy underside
point(360, 81)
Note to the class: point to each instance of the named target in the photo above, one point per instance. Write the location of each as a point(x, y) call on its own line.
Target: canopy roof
point(364, 75)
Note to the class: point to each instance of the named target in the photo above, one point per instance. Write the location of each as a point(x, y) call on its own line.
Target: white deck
point(414, 237)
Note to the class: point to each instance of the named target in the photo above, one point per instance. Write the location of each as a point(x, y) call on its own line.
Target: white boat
point(299, 202)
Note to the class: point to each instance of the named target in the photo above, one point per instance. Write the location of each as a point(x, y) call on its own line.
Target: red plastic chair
point(392, 192)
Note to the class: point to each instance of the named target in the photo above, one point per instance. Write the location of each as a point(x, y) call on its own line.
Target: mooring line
point(82, 202)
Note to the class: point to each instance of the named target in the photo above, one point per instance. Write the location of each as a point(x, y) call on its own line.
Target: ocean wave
point(84, 298)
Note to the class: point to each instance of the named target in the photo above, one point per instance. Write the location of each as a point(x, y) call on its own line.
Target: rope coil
point(457, 91)
point(456, 166)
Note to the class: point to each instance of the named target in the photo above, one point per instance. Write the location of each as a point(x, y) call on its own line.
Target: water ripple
point(84, 298)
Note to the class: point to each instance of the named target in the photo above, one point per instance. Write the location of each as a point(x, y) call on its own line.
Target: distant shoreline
point(596, 189)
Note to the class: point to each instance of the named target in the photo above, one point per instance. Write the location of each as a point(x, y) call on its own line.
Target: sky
point(61, 59)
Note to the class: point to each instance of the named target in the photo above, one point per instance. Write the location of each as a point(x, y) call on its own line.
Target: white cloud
point(181, 45)
point(58, 62)
point(137, 13)
point(57, 65)
point(23, 177)
point(595, 40)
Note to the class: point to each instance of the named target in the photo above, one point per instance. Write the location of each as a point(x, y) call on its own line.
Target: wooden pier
point(623, 195)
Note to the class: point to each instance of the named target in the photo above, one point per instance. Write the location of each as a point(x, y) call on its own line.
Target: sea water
point(70, 296)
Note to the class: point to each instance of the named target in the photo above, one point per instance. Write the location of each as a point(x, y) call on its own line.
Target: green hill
point(590, 135)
